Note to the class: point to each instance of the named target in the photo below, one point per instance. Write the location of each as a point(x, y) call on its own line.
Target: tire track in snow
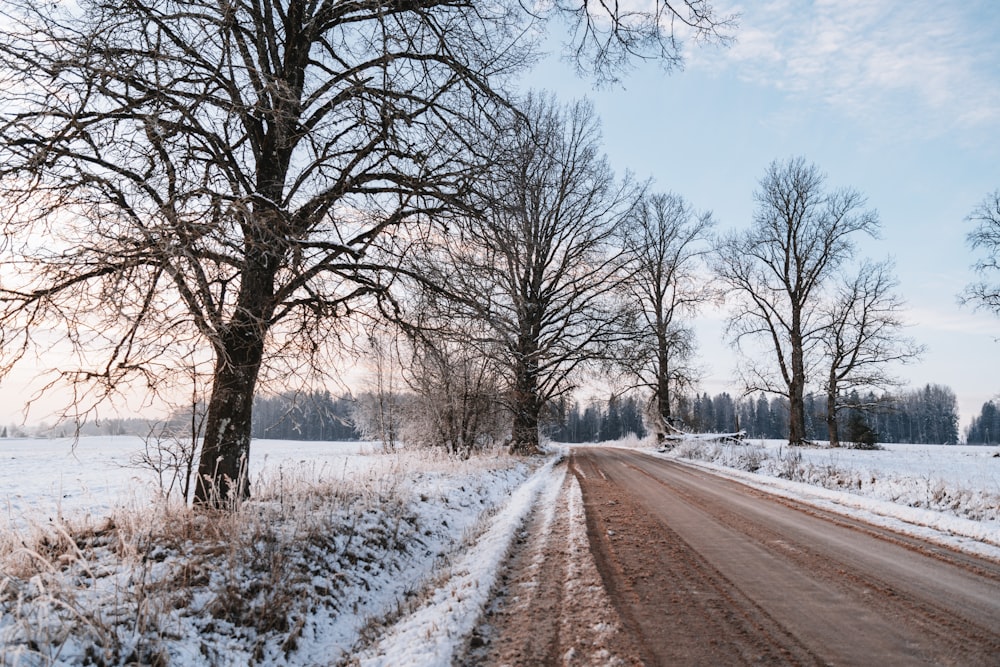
point(434, 633)
point(553, 608)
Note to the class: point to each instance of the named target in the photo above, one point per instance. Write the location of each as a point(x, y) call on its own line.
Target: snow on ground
point(44, 480)
point(339, 542)
point(945, 494)
point(435, 633)
point(349, 555)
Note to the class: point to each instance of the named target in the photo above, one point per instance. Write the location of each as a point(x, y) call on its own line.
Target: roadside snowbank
point(945, 494)
point(336, 544)
point(436, 632)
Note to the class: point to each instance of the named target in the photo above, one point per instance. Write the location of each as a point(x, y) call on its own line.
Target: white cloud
point(916, 65)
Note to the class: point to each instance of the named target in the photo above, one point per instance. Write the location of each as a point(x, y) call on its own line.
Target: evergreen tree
point(858, 430)
point(923, 416)
point(762, 417)
point(706, 418)
point(631, 416)
point(574, 424)
point(725, 413)
point(747, 411)
point(590, 424)
point(985, 428)
point(685, 412)
point(779, 417)
point(611, 424)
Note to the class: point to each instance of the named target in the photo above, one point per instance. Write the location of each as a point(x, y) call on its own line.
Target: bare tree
point(539, 265)
point(776, 273)
point(862, 337)
point(986, 237)
point(448, 362)
point(217, 173)
point(457, 399)
point(607, 36)
point(378, 408)
point(664, 241)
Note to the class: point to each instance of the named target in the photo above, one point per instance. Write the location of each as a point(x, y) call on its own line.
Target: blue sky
point(899, 99)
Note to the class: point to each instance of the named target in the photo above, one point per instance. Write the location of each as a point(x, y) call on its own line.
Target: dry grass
point(114, 591)
point(132, 588)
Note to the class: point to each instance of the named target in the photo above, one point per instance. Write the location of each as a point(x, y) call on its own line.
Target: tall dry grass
point(118, 591)
point(154, 579)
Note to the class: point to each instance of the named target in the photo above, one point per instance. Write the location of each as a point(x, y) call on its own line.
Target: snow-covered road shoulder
point(434, 633)
point(913, 494)
point(314, 570)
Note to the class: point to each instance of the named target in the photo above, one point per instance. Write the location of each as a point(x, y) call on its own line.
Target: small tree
point(378, 412)
point(986, 238)
point(859, 432)
point(457, 402)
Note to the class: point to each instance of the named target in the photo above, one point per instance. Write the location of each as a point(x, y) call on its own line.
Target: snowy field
point(957, 466)
point(348, 555)
point(43, 480)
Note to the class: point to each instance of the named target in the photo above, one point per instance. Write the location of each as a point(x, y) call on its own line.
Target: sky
point(899, 99)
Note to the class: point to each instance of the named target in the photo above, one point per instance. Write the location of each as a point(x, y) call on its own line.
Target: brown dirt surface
point(552, 608)
point(633, 559)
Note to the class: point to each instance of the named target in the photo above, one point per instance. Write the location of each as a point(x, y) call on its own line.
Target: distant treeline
point(305, 416)
point(313, 415)
point(985, 428)
point(318, 416)
point(569, 421)
point(922, 416)
point(927, 415)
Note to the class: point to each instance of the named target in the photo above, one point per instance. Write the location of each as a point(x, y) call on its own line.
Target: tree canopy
point(205, 185)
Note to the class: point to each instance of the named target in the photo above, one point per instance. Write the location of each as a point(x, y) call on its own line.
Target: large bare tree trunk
point(525, 431)
point(663, 391)
point(222, 469)
point(796, 416)
point(796, 390)
point(526, 406)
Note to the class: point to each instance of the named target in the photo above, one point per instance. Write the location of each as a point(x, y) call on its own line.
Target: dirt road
point(637, 560)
